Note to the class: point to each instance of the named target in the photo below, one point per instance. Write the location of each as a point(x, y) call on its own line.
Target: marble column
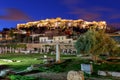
point(5, 49)
point(0, 50)
point(57, 53)
point(10, 50)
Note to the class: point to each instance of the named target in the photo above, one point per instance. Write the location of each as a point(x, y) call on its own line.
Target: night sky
point(13, 12)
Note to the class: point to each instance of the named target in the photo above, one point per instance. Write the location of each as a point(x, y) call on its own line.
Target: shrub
point(19, 77)
point(107, 67)
point(42, 69)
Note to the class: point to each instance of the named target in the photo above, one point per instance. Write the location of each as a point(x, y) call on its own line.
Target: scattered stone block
point(7, 60)
point(109, 73)
point(29, 68)
point(18, 61)
point(75, 75)
point(87, 68)
point(3, 73)
point(102, 73)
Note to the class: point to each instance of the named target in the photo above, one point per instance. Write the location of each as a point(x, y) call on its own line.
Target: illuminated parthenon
point(63, 23)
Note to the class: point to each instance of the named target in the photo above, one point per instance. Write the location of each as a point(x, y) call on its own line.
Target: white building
point(62, 39)
point(45, 40)
point(59, 38)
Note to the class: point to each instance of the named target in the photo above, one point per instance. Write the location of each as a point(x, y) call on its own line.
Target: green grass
point(74, 64)
point(19, 77)
point(107, 67)
point(69, 64)
point(27, 60)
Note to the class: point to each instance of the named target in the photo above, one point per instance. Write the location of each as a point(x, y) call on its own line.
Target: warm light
point(54, 23)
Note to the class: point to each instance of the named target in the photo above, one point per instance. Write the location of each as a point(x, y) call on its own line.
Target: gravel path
point(51, 76)
point(63, 76)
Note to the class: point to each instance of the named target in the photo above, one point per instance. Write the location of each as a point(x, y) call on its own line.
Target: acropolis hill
point(63, 23)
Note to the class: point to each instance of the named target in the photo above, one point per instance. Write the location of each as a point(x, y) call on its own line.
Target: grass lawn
point(73, 63)
point(27, 59)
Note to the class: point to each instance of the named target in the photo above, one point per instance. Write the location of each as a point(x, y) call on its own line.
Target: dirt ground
point(51, 76)
point(63, 76)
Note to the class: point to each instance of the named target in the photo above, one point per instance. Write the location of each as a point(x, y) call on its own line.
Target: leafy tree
point(95, 42)
point(103, 44)
point(15, 46)
point(116, 52)
point(85, 42)
point(11, 34)
point(5, 29)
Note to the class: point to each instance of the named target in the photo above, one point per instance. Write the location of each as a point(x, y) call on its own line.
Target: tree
point(95, 43)
point(85, 42)
point(116, 52)
point(11, 34)
point(103, 44)
point(5, 29)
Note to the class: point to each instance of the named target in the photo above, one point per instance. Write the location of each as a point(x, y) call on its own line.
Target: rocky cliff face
point(63, 23)
point(62, 26)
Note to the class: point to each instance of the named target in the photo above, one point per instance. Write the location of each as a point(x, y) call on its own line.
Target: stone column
point(0, 50)
point(5, 49)
point(63, 51)
point(38, 50)
point(20, 50)
point(57, 53)
point(13, 50)
point(75, 75)
point(44, 49)
point(68, 51)
point(41, 50)
point(47, 48)
point(10, 50)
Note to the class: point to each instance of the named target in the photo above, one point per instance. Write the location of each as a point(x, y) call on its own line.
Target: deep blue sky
point(21, 11)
